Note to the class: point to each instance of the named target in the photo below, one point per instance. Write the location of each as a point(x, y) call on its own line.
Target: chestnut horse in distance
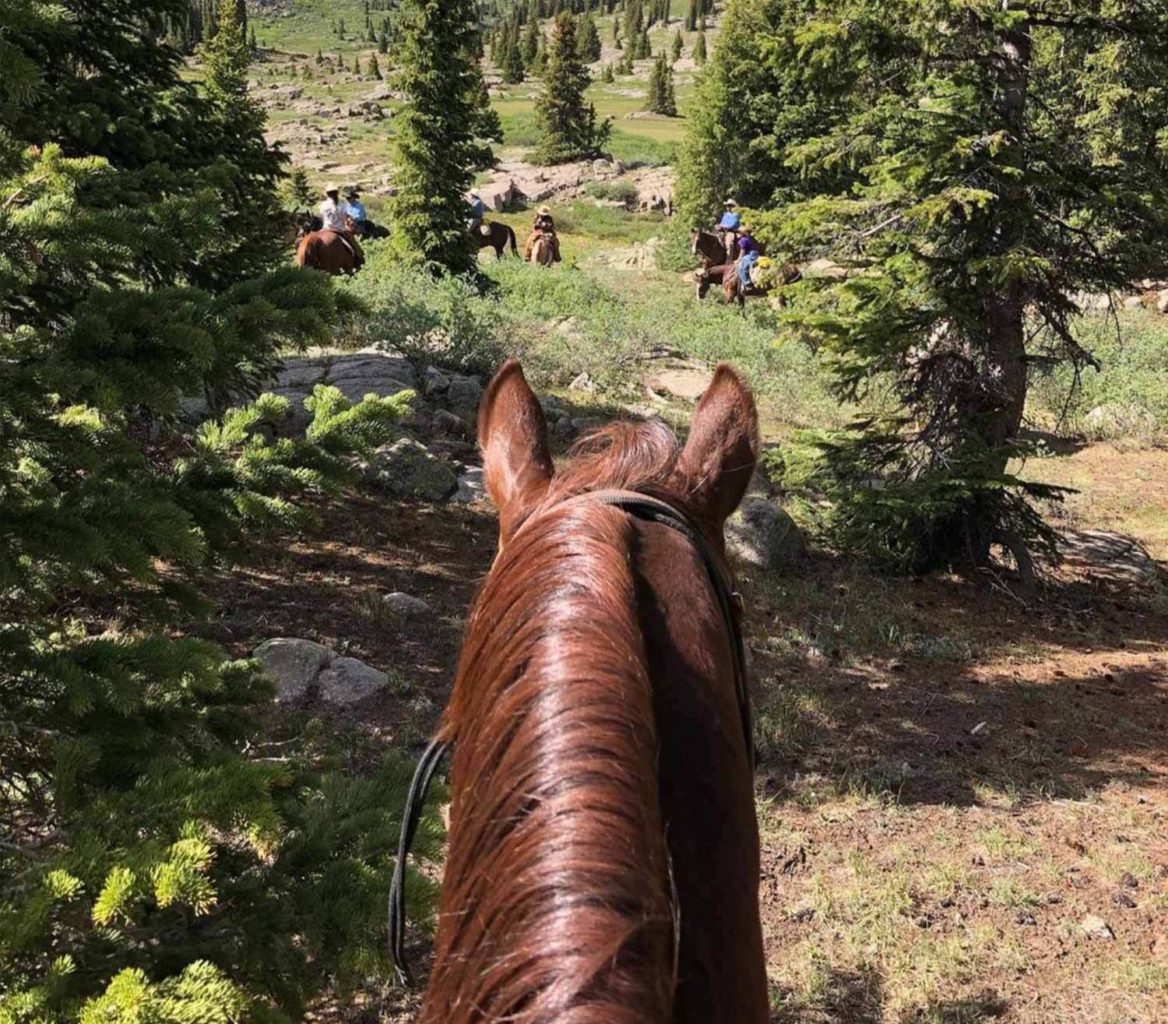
point(603, 862)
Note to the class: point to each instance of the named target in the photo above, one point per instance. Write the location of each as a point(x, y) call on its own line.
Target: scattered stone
point(1097, 928)
point(445, 422)
point(347, 681)
point(685, 381)
point(434, 381)
point(1122, 899)
point(1133, 302)
point(372, 365)
point(295, 665)
point(405, 606)
point(1162, 301)
point(564, 429)
point(978, 729)
point(762, 534)
point(1129, 881)
point(406, 469)
point(463, 396)
point(924, 921)
point(804, 915)
point(472, 488)
point(582, 383)
point(1024, 917)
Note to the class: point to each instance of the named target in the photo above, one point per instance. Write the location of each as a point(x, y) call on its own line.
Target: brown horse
point(707, 246)
point(604, 857)
point(328, 251)
point(725, 277)
point(497, 236)
point(542, 248)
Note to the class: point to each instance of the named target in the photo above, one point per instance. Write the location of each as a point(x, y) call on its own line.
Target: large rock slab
point(372, 365)
point(294, 664)
point(472, 488)
point(347, 681)
point(463, 395)
point(406, 469)
point(763, 535)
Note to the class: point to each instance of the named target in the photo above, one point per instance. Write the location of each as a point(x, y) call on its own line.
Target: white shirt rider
point(332, 215)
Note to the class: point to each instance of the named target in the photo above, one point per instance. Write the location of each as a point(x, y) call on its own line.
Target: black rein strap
point(649, 510)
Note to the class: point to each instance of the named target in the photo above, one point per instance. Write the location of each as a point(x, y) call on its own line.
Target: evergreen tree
point(588, 44)
point(440, 132)
point(383, 42)
point(373, 69)
point(644, 48)
point(700, 54)
point(678, 46)
point(567, 123)
point(692, 15)
point(662, 98)
point(153, 866)
point(606, 75)
point(975, 188)
point(512, 67)
point(530, 43)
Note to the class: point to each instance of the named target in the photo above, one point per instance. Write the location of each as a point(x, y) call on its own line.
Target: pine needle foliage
point(972, 166)
point(568, 127)
point(442, 134)
point(152, 866)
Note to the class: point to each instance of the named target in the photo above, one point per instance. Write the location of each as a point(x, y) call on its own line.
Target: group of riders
point(349, 219)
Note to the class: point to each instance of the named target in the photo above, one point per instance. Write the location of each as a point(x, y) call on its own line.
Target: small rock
point(406, 606)
point(762, 534)
point(295, 665)
point(1025, 918)
point(924, 921)
point(445, 422)
point(463, 394)
point(804, 915)
point(1097, 928)
point(472, 487)
point(348, 680)
point(434, 381)
point(1162, 301)
point(407, 470)
point(1122, 899)
point(1133, 302)
point(565, 431)
point(1129, 881)
point(582, 383)
point(978, 729)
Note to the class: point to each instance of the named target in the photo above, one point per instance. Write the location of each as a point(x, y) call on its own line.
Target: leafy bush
point(614, 191)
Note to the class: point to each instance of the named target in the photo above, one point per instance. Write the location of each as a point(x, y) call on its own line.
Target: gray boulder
point(406, 469)
point(434, 381)
point(472, 487)
point(294, 664)
point(301, 373)
point(463, 396)
point(372, 365)
point(404, 607)
point(448, 424)
point(761, 534)
point(347, 681)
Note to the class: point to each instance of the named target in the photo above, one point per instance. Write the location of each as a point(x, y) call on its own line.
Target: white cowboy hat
point(474, 195)
point(730, 202)
point(332, 188)
point(545, 211)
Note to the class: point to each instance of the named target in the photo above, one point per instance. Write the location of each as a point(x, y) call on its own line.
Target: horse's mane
point(557, 905)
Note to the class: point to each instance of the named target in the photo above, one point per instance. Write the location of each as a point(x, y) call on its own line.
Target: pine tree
point(512, 67)
point(678, 46)
point(440, 132)
point(700, 55)
point(383, 42)
point(644, 48)
point(588, 45)
point(567, 123)
point(662, 98)
point(691, 18)
point(606, 75)
point(373, 69)
point(995, 182)
point(153, 866)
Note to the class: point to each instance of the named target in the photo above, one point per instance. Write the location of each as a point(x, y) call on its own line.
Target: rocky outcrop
point(294, 664)
point(407, 469)
point(763, 535)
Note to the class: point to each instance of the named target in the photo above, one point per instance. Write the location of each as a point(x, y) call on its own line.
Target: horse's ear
point(513, 436)
point(722, 450)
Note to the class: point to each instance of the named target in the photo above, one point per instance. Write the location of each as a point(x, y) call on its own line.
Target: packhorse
point(603, 861)
point(496, 236)
point(725, 277)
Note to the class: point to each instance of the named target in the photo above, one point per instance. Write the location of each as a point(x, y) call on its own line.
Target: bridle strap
point(647, 509)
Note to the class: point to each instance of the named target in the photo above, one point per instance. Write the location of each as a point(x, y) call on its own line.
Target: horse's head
point(706, 478)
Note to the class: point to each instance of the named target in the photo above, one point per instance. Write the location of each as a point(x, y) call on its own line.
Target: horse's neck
point(556, 840)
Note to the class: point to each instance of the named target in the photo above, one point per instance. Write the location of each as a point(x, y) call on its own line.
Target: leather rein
point(646, 509)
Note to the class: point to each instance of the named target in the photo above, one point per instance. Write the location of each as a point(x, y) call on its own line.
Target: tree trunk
point(1006, 307)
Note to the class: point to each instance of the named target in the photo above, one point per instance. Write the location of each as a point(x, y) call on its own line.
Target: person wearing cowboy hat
point(478, 212)
point(729, 227)
point(333, 218)
point(544, 224)
point(355, 210)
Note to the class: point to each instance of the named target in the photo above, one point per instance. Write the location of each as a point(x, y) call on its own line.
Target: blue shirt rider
point(355, 209)
point(731, 219)
point(478, 212)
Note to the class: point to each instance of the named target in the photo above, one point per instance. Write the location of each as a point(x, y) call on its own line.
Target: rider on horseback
point(543, 227)
point(333, 217)
point(355, 211)
point(478, 212)
point(729, 227)
point(750, 255)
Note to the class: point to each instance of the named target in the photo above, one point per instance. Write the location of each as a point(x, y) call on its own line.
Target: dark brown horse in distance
point(604, 855)
point(496, 236)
